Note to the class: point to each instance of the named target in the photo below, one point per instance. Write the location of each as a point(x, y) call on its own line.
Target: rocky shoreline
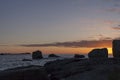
point(67, 69)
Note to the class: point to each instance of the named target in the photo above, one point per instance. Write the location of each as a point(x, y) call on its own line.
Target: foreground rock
point(116, 48)
point(24, 73)
point(84, 69)
point(64, 68)
point(99, 72)
point(98, 53)
point(79, 56)
point(37, 55)
point(53, 55)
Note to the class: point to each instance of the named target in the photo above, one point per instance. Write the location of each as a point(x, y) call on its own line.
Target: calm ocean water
point(12, 61)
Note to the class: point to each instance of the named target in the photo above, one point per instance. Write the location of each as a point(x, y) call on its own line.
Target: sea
point(8, 61)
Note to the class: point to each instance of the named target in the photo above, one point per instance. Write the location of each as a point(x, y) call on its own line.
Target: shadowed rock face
point(37, 55)
point(98, 53)
point(24, 73)
point(116, 48)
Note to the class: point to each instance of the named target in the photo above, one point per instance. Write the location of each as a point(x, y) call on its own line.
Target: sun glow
point(109, 50)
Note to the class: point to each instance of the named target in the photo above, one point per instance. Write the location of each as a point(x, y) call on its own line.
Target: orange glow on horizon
point(48, 50)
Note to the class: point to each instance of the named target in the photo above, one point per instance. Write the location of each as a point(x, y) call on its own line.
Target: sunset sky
point(58, 26)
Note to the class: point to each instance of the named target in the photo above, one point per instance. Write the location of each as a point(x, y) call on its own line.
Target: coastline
point(73, 69)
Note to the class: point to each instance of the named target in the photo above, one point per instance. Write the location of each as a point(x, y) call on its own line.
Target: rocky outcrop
point(53, 55)
point(79, 56)
point(84, 69)
point(99, 72)
point(37, 55)
point(98, 53)
point(64, 68)
point(24, 73)
point(116, 48)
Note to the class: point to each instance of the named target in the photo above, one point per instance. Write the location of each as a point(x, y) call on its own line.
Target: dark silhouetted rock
point(79, 56)
point(67, 68)
point(116, 48)
point(104, 72)
point(37, 55)
point(26, 60)
point(2, 54)
point(61, 69)
point(98, 53)
point(24, 73)
point(53, 55)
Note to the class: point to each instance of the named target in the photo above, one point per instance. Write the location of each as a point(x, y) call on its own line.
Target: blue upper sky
point(48, 21)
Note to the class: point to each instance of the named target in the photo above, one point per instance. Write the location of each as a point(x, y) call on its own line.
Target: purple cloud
point(84, 43)
point(116, 28)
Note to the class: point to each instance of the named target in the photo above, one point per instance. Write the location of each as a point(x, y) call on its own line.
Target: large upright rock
point(37, 55)
point(98, 53)
point(116, 48)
